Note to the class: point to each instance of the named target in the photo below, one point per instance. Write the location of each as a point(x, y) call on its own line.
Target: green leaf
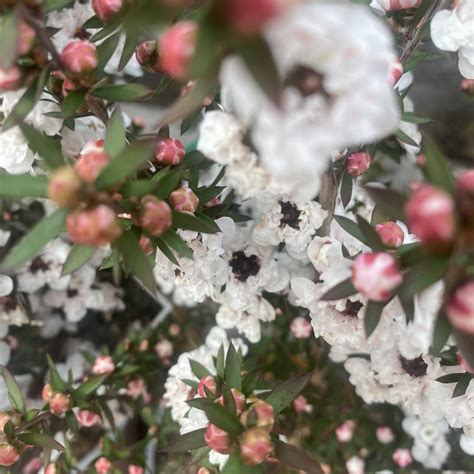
point(411, 254)
point(23, 185)
point(373, 311)
point(183, 220)
point(218, 415)
point(296, 458)
point(8, 38)
point(14, 391)
point(346, 189)
point(198, 369)
point(437, 168)
point(57, 382)
point(450, 378)
point(174, 241)
point(232, 368)
point(285, 393)
point(122, 93)
point(235, 465)
point(47, 147)
point(89, 386)
point(135, 260)
point(40, 440)
point(44, 231)
point(72, 102)
point(107, 412)
point(441, 333)
point(461, 386)
point(78, 256)
point(408, 305)
point(115, 136)
point(351, 228)
point(129, 46)
point(401, 135)
point(207, 51)
point(166, 250)
point(51, 5)
point(390, 203)
point(411, 117)
point(27, 101)
point(371, 236)
point(164, 185)
point(187, 442)
point(249, 383)
point(220, 362)
point(341, 290)
point(125, 164)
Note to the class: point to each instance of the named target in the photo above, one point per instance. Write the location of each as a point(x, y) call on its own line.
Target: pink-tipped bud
point(96, 226)
point(144, 345)
point(239, 400)
point(260, 414)
point(170, 152)
point(465, 182)
point(64, 187)
point(248, 17)
point(147, 56)
point(33, 466)
point(10, 78)
point(103, 466)
point(301, 328)
point(59, 403)
point(460, 308)
point(51, 469)
point(210, 384)
point(26, 38)
point(467, 86)
point(106, 9)
point(9, 455)
point(133, 469)
point(402, 457)
point(80, 57)
point(393, 5)
point(4, 419)
point(164, 349)
point(103, 365)
point(155, 215)
point(203, 470)
point(217, 439)
point(255, 446)
point(47, 392)
point(136, 387)
point(176, 48)
point(376, 275)
point(430, 214)
point(392, 234)
point(396, 71)
point(87, 418)
point(345, 432)
point(184, 200)
point(88, 166)
point(301, 405)
point(358, 163)
point(385, 434)
point(146, 245)
point(93, 146)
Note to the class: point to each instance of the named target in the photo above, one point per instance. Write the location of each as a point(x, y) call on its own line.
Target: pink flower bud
point(136, 387)
point(184, 200)
point(64, 187)
point(164, 349)
point(9, 455)
point(376, 275)
point(33, 466)
point(10, 78)
point(51, 469)
point(106, 9)
point(465, 182)
point(345, 432)
point(392, 5)
point(87, 418)
point(460, 308)
point(26, 38)
point(249, 16)
point(59, 403)
point(133, 469)
point(301, 328)
point(146, 245)
point(467, 86)
point(103, 365)
point(255, 446)
point(211, 385)
point(103, 466)
point(155, 215)
point(80, 57)
point(392, 234)
point(93, 146)
point(217, 439)
point(430, 214)
point(239, 400)
point(203, 470)
point(88, 166)
point(47, 392)
point(402, 457)
point(385, 434)
point(301, 405)
point(260, 414)
point(4, 419)
point(176, 48)
point(170, 152)
point(147, 56)
point(97, 226)
point(357, 163)
point(396, 71)
point(421, 160)
point(143, 346)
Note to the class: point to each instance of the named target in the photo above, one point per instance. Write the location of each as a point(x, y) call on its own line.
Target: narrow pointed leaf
point(187, 221)
point(78, 256)
point(232, 368)
point(389, 203)
point(40, 440)
point(175, 241)
point(346, 189)
point(370, 234)
point(187, 442)
point(23, 185)
point(441, 333)
point(122, 93)
point(296, 458)
point(14, 392)
point(115, 137)
point(90, 386)
point(166, 250)
point(198, 369)
point(341, 290)
point(285, 393)
point(373, 312)
point(351, 228)
point(437, 168)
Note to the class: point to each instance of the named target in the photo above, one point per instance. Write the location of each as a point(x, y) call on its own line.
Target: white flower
point(132, 68)
point(355, 465)
point(6, 285)
point(467, 444)
point(451, 30)
point(16, 156)
point(344, 53)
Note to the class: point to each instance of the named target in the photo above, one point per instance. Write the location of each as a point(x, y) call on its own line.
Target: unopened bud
point(402, 457)
point(170, 152)
point(103, 365)
point(10, 78)
point(154, 215)
point(255, 446)
point(396, 71)
point(106, 9)
point(134, 469)
point(460, 308)
point(207, 384)
point(59, 403)
point(26, 38)
point(184, 200)
point(65, 187)
point(9, 455)
point(391, 234)
point(147, 56)
point(358, 163)
point(301, 328)
point(217, 439)
point(239, 400)
point(47, 392)
point(103, 466)
point(260, 414)
point(88, 166)
point(87, 418)
point(80, 57)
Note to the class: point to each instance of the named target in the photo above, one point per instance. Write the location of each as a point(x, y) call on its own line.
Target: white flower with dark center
point(337, 93)
point(293, 224)
point(451, 30)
